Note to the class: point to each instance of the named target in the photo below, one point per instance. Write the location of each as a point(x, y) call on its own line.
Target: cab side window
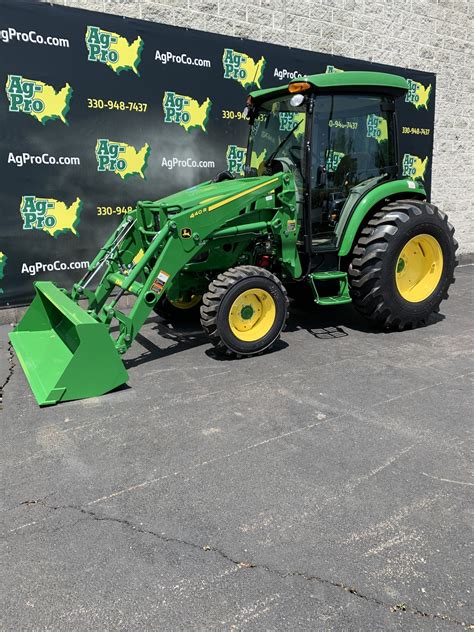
point(351, 144)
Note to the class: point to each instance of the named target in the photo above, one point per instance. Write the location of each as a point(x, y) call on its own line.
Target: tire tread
point(216, 292)
point(365, 270)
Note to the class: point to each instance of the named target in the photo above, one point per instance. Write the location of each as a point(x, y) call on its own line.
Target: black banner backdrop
point(99, 111)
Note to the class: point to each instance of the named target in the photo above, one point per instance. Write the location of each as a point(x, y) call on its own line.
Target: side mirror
point(249, 113)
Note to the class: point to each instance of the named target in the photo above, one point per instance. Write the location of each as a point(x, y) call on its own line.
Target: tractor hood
point(215, 192)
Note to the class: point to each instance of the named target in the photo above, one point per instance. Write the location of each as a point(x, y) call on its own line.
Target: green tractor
point(320, 206)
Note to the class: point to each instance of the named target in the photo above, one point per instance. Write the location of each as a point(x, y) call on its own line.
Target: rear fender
point(360, 204)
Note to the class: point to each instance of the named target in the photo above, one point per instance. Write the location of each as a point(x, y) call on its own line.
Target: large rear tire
point(244, 310)
point(403, 264)
point(179, 311)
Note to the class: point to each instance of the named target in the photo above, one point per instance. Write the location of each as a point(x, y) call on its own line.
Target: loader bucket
point(65, 353)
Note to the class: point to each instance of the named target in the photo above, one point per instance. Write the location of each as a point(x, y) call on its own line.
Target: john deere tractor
point(320, 205)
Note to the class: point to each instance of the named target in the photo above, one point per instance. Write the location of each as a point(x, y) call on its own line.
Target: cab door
point(352, 141)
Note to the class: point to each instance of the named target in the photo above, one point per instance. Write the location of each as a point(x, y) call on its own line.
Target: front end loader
point(320, 206)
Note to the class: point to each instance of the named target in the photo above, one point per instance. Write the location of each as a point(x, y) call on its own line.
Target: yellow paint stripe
point(241, 194)
point(138, 256)
point(207, 200)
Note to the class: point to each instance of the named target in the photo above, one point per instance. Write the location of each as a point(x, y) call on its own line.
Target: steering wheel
point(349, 180)
point(223, 175)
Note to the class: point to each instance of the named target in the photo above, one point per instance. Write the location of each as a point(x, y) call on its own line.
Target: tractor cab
point(334, 132)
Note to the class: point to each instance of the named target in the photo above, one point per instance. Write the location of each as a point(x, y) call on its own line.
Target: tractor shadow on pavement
point(181, 337)
point(337, 322)
point(215, 355)
point(328, 323)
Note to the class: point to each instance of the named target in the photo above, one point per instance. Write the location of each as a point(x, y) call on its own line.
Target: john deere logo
point(235, 157)
point(377, 127)
point(113, 50)
point(242, 68)
point(120, 158)
point(186, 111)
point(417, 94)
point(38, 99)
point(50, 215)
point(186, 233)
point(413, 166)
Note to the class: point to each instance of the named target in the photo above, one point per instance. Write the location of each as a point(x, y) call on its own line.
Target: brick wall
point(430, 35)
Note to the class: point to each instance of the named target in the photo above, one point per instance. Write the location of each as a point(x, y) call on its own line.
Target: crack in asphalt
point(402, 608)
point(11, 366)
point(34, 501)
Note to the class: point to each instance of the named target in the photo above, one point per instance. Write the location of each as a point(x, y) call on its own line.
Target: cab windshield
point(276, 139)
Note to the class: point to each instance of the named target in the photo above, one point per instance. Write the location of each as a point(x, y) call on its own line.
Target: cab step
point(317, 279)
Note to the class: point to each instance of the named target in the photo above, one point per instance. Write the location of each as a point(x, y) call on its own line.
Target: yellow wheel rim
point(193, 301)
point(419, 268)
point(252, 315)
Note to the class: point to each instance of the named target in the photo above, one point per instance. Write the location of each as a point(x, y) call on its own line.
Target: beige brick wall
point(430, 35)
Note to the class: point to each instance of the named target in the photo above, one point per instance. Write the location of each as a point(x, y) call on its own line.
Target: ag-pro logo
point(38, 99)
point(414, 166)
point(50, 215)
point(333, 158)
point(120, 158)
point(417, 94)
point(113, 50)
point(332, 69)
point(242, 68)
point(186, 111)
point(292, 121)
point(377, 127)
point(236, 157)
point(287, 121)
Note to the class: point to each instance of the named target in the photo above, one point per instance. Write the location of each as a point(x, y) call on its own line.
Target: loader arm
point(153, 245)
point(57, 340)
point(163, 238)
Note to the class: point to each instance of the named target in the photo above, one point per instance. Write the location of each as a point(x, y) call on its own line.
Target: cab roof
point(353, 81)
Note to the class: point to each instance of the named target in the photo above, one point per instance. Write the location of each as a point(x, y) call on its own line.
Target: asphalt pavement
point(321, 486)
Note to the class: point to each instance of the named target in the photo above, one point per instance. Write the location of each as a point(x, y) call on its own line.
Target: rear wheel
point(244, 310)
point(179, 311)
point(403, 264)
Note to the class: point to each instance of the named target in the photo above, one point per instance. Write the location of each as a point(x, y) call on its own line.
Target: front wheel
point(403, 264)
point(244, 310)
